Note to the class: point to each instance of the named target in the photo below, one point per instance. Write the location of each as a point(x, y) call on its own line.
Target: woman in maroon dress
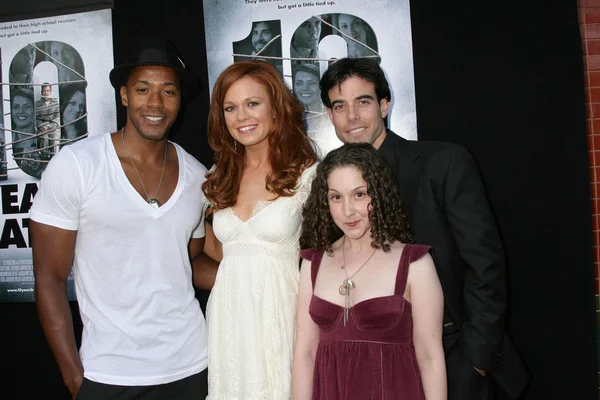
point(370, 304)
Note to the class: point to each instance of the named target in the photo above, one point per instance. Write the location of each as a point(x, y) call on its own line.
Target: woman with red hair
point(264, 165)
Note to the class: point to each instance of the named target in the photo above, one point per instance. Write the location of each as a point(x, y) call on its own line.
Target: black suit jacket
point(445, 202)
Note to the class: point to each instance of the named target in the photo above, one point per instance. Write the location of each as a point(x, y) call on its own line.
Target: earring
point(235, 145)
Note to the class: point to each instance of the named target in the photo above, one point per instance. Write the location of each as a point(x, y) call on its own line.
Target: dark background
point(506, 82)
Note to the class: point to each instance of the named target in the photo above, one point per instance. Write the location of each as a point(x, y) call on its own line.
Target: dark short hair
point(388, 222)
point(346, 68)
point(270, 24)
point(44, 85)
point(309, 68)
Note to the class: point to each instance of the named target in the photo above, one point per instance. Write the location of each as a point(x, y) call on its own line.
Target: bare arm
point(428, 313)
point(53, 251)
point(204, 268)
point(212, 246)
point(307, 340)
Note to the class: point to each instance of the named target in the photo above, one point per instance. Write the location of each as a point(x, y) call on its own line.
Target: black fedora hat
point(154, 51)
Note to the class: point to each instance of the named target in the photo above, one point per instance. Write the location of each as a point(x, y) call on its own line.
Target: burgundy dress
point(373, 356)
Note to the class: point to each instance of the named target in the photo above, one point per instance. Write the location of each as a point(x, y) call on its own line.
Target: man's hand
point(74, 385)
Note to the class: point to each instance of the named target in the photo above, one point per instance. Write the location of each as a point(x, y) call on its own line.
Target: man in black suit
point(445, 202)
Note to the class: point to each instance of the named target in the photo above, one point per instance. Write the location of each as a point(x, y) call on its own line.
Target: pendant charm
point(154, 203)
point(346, 286)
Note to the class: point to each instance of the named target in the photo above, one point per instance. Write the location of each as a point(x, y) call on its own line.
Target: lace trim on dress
point(308, 175)
point(261, 205)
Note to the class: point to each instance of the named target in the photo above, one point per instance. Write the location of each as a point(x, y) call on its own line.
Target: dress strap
point(307, 254)
point(314, 266)
point(315, 257)
point(410, 253)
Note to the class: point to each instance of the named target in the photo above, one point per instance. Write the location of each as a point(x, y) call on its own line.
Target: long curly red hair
point(290, 149)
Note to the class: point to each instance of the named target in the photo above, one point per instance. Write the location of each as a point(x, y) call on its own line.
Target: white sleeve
point(58, 201)
point(200, 230)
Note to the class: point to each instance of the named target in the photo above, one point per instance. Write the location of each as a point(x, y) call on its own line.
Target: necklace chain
point(348, 284)
point(152, 201)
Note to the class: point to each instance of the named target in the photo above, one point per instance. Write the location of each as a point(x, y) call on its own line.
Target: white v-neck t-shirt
point(142, 324)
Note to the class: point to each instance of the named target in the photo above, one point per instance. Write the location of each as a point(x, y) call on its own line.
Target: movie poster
point(301, 38)
point(55, 91)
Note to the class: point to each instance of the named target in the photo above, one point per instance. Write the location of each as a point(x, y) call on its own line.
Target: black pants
point(194, 387)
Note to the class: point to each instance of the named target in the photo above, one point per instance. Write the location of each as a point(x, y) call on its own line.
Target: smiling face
point(306, 88)
point(356, 114)
point(22, 112)
point(261, 35)
point(307, 35)
point(248, 112)
point(349, 202)
point(152, 98)
point(75, 108)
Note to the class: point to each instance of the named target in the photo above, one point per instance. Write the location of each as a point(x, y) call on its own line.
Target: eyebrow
point(246, 99)
point(365, 96)
point(354, 190)
point(154, 82)
point(361, 97)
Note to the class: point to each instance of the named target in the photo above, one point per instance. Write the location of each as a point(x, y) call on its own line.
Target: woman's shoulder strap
point(315, 257)
point(410, 254)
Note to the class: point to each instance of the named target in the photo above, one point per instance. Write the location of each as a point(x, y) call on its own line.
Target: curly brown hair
point(388, 222)
point(290, 149)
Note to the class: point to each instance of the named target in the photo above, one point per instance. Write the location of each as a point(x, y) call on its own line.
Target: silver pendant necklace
point(348, 283)
point(152, 201)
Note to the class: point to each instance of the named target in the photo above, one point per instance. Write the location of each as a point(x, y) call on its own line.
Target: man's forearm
point(57, 323)
point(205, 271)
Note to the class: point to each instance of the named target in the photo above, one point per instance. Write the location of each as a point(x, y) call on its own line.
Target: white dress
point(251, 312)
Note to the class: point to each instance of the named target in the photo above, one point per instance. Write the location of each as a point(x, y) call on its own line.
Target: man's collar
point(388, 148)
point(388, 142)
